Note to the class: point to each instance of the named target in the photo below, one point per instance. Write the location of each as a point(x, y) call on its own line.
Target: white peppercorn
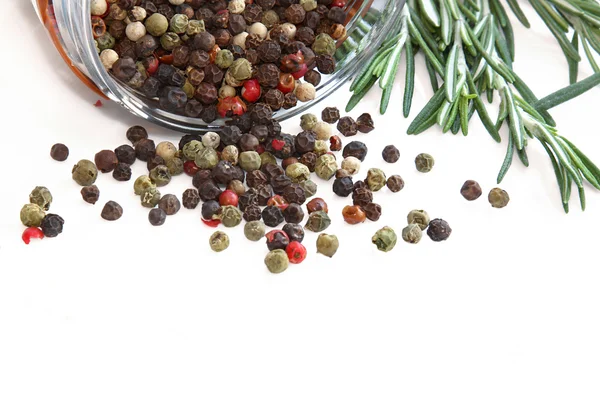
point(305, 92)
point(240, 39)
point(289, 30)
point(135, 31)
point(323, 130)
point(98, 7)
point(351, 165)
point(236, 6)
point(108, 57)
point(259, 29)
point(211, 139)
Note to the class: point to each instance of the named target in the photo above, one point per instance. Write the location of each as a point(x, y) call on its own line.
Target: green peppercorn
point(32, 215)
point(41, 196)
point(267, 158)
point(308, 122)
point(157, 24)
point(106, 41)
point(194, 27)
point(318, 221)
point(308, 5)
point(160, 175)
point(418, 217)
point(150, 197)
point(412, 233)
point(170, 40)
point(326, 166)
point(424, 162)
point(219, 241)
point(179, 23)
point(175, 166)
point(254, 230)
point(321, 147)
point(297, 172)
point(191, 149)
point(207, 158)
point(250, 161)
point(327, 244)
point(310, 188)
point(277, 261)
point(376, 179)
point(241, 69)
point(85, 173)
point(188, 89)
point(385, 239)
point(224, 59)
point(142, 183)
point(498, 198)
point(324, 45)
point(230, 216)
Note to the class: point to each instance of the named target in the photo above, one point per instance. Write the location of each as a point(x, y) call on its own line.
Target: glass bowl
point(69, 26)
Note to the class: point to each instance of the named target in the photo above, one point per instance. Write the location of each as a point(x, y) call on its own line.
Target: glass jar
point(68, 23)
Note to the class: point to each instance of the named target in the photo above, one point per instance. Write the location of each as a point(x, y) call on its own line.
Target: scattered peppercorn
point(144, 149)
point(106, 160)
point(424, 162)
point(385, 239)
point(372, 211)
point(376, 179)
point(136, 133)
point(125, 154)
point(272, 216)
point(52, 225)
point(32, 215)
point(85, 173)
point(32, 233)
point(150, 197)
point(294, 231)
point(41, 196)
point(365, 123)
point(327, 244)
point(331, 115)
point(412, 233)
point(112, 211)
point(277, 239)
point(318, 221)
point(296, 252)
point(354, 215)
point(390, 154)
point(395, 183)
point(219, 241)
point(347, 126)
point(254, 230)
point(355, 149)
point(157, 217)
point(293, 213)
point(343, 187)
point(438, 230)
point(498, 198)
point(160, 175)
point(419, 217)
point(361, 196)
point(122, 172)
point(170, 204)
point(277, 261)
point(190, 199)
point(154, 162)
point(90, 194)
point(310, 188)
point(59, 152)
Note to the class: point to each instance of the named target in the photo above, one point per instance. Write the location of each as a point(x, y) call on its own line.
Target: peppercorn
point(249, 161)
point(277, 239)
point(347, 126)
point(376, 179)
point(318, 221)
point(355, 149)
point(308, 122)
point(52, 225)
point(157, 217)
point(327, 244)
point(317, 204)
point(150, 197)
point(470, 190)
point(424, 162)
point(122, 172)
point(331, 115)
point(324, 44)
point(362, 196)
point(252, 212)
point(206, 158)
point(248, 142)
point(230, 216)
point(237, 187)
point(190, 199)
point(310, 160)
point(326, 64)
point(160, 175)
point(248, 198)
point(341, 173)
point(85, 173)
point(351, 165)
point(293, 213)
point(326, 166)
point(191, 149)
point(170, 204)
point(412, 233)
point(310, 188)
point(210, 209)
point(261, 114)
point(354, 215)
point(385, 239)
point(296, 252)
point(277, 261)
point(136, 133)
point(498, 198)
point(343, 187)
point(322, 130)
point(395, 183)
point(390, 154)
point(438, 230)
point(59, 152)
point(297, 172)
point(418, 217)
point(219, 241)
point(124, 69)
point(142, 183)
point(256, 178)
point(32, 215)
point(313, 77)
point(125, 154)
point(144, 149)
point(294, 193)
point(272, 216)
point(305, 92)
point(41, 196)
point(112, 211)
point(209, 190)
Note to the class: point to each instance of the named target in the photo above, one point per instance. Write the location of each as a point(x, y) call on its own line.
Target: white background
point(506, 308)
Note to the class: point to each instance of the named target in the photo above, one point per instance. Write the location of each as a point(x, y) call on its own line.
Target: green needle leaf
point(574, 65)
point(431, 108)
point(567, 93)
point(409, 85)
point(510, 149)
point(516, 9)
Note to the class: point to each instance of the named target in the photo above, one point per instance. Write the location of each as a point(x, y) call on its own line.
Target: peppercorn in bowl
point(191, 65)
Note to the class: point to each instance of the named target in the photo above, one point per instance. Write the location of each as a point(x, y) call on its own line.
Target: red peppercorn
point(166, 59)
point(98, 103)
point(190, 168)
point(152, 65)
point(228, 198)
point(287, 83)
point(292, 62)
point(296, 252)
point(278, 201)
point(260, 149)
point(213, 223)
point(277, 239)
point(32, 233)
point(251, 90)
point(235, 105)
point(301, 72)
point(213, 53)
point(338, 3)
point(335, 143)
point(277, 144)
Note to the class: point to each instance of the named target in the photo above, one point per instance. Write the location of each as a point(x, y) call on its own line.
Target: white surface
point(507, 308)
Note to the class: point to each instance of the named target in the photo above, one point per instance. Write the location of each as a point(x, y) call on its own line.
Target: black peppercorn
point(170, 204)
point(230, 135)
point(337, 15)
point(313, 77)
point(52, 225)
point(237, 24)
point(199, 59)
point(90, 194)
point(125, 154)
point(293, 213)
point(256, 178)
point(154, 162)
point(274, 127)
point(305, 142)
point(209, 114)
point(269, 51)
point(343, 187)
point(263, 194)
point(203, 41)
point(205, 14)
point(252, 213)
point(145, 149)
point(112, 211)
point(471, 190)
point(274, 98)
point(294, 193)
point(355, 149)
point(124, 69)
point(145, 46)
point(59, 152)
point(261, 114)
point(250, 197)
point(223, 172)
point(151, 87)
point(157, 217)
point(326, 64)
point(200, 177)
point(390, 154)
point(294, 231)
point(362, 196)
point(266, 4)
point(347, 126)
point(365, 123)
point(122, 172)
point(272, 216)
point(166, 10)
point(395, 183)
point(373, 211)
point(248, 142)
point(172, 99)
point(272, 170)
point(289, 101)
point(438, 230)
point(253, 13)
point(331, 115)
point(312, 19)
point(136, 133)
point(209, 209)
point(310, 160)
point(190, 199)
point(209, 191)
point(277, 240)
point(206, 93)
point(213, 74)
point(280, 182)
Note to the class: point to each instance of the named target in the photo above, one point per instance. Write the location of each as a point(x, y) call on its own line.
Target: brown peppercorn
point(170, 204)
point(199, 59)
point(112, 211)
point(362, 196)
point(305, 35)
point(136, 133)
point(59, 152)
point(252, 213)
point(395, 183)
point(223, 38)
point(268, 75)
point(253, 13)
point(203, 41)
point(247, 199)
point(272, 170)
point(154, 162)
point(269, 51)
point(335, 143)
point(295, 14)
point(144, 149)
point(213, 74)
point(390, 154)
point(355, 149)
point(261, 114)
point(190, 199)
point(122, 172)
point(237, 24)
point(256, 178)
point(274, 99)
point(337, 15)
point(294, 194)
point(326, 64)
point(317, 204)
point(310, 160)
point(181, 56)
point(90, 194)
point(106, 160)
point(372, 211)
point(125, 154)
point(365, 123)
point(331, 115)
point(209, 191)
point(206, 93)
point(248, 142)
point(313, 77)
point(347, 126)
point(200, 177)
point(293, 213)
point(471, 190)
point(288, 161)
point(263, 194)
point(337, 31)
point(289, 101)
point(438, 230)
point(279, 183)
point(354, 215)
point(304, 142)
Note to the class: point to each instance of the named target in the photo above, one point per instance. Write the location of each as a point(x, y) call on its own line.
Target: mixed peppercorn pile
point(216, 58)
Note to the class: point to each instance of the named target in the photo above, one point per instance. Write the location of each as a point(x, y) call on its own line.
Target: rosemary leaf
point(432, 75)
point(574, 65)
point(409, 84)
point(431, 108)
point(516, 9)
point(357, 96)
point(481, 111)
point(510, 149)
point(385, 99)
point(567, 93)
